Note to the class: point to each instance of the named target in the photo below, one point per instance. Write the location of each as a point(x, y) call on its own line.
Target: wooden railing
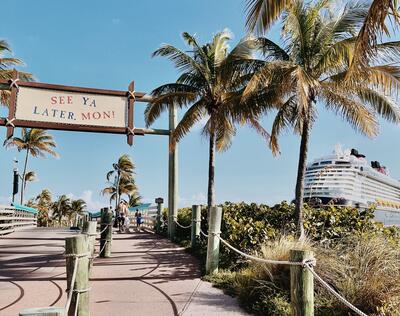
point(12, 219)
point(149, 217)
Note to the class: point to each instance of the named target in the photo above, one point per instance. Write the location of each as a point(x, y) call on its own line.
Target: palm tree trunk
point(300, 179)
point(211, 167)
point(117, 197)
point(23, 177)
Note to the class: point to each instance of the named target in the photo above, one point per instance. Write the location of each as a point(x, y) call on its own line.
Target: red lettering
point(85, 116)
point(53, 100)
point(106, 115)
point(96, 115)
point(69, 99)
point(62, 101)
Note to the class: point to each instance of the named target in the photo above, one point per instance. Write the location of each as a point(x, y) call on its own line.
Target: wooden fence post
point(77, 245)
point(106, 235)
point(91, 236)
point(196, 222)
point(214, 228)
point(160, 207)
point(301, 285)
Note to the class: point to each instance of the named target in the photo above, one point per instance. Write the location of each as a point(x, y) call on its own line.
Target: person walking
point(138, 216)
point(124, 214)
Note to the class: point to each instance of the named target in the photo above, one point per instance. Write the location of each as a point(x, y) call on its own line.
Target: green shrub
point(357, 256)
point(248, 226)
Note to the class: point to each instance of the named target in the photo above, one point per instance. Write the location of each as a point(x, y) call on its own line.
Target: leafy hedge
point(248, 226)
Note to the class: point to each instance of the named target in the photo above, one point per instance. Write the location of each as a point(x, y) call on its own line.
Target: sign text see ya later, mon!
point(41, 105)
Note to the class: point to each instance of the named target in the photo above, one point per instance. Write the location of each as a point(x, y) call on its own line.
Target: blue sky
point(107, 44)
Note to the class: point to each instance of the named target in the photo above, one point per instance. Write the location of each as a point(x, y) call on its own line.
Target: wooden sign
point(48, 106)
point(57, 106)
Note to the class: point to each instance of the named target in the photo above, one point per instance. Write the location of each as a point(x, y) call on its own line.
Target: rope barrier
point(70, 291)
point(184, 227)
point(204, 234)
point(334, 293)
point(269, 261)
point(104, 246)
point(308, 264)
point(104, 228)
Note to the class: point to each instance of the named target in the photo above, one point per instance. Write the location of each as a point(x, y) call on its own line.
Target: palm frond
point(261, 14)
point(355, 113)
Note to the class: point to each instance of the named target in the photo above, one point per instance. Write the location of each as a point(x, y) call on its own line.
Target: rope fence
point(308, 264)
point(72, 290)
point(181, 226)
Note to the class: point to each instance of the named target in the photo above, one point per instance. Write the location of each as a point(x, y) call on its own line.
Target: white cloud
point(87, 196)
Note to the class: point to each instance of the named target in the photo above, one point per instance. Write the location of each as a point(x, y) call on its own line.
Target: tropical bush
point(364, 269)
point(248, 226)
point(357, 256)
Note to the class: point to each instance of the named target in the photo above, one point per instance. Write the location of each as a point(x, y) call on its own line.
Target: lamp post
point(15, 180)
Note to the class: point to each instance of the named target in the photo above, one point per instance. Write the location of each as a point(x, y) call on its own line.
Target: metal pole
point(172, 177)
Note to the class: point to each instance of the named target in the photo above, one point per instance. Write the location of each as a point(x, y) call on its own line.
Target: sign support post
point(172, 177)
point(13, 98)
point(131, 101)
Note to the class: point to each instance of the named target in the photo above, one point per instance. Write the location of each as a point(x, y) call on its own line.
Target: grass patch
point(365, 270)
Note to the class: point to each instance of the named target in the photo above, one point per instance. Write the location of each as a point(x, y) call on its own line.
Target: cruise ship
point(346, 178)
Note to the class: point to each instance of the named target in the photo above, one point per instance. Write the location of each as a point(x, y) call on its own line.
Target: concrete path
point(145, 276)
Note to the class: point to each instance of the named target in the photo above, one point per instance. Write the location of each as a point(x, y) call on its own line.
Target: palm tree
point(6, 73)
point(210, 85)
point(122, 170)
point(61, 208)
point(43, 204)
point(125, 186)
point(37, 143)
point(78, 208)
point(311, 70)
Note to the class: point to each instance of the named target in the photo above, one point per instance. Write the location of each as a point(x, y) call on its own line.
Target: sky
point(105, 44)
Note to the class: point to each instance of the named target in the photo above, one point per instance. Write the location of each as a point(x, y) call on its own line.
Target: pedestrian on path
point(124, 220)
point(138, 216)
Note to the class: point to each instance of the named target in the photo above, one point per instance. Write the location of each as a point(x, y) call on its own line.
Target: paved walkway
point(145, 276)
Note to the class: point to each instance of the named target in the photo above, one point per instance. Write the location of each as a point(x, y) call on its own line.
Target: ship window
point(325, 162)
point(342, 162)
point(315, 164)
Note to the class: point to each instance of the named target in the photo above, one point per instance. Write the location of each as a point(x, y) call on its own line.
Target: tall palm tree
point(77, 208)
point(61, 208)
point(35, 142)
point(122, 170)
point(6, 64)
point(125, 186)
point(311, 70)
point(210, 85)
